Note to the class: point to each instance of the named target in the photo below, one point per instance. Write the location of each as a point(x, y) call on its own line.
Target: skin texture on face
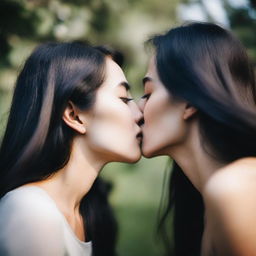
point(164, 125)
point(111, 127)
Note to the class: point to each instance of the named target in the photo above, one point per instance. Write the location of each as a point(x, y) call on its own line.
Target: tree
point(124, 25)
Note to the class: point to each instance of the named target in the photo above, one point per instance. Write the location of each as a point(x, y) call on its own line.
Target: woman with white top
point(71, 114)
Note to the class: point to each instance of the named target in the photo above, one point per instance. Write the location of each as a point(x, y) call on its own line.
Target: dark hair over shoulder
point(185, 206)
point(37, 142)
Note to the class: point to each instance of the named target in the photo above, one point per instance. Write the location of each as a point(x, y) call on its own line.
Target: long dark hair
point(208, 67)
point(37, 142)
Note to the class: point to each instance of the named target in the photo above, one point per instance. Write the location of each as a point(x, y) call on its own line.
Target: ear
point(189, 111)
point(72, 119)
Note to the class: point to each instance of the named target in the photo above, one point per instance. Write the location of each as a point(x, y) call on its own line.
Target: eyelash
point(146, 96)
point(125, 99)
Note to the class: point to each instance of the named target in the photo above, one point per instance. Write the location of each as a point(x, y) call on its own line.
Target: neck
point(71, 183)
point(195, 162)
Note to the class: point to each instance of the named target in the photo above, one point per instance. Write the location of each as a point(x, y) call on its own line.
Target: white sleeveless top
point(31, 224)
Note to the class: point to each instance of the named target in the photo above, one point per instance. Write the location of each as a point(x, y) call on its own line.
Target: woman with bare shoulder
point(199, 108)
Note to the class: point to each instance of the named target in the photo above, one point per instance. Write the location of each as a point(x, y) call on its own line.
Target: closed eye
point(125, 99)
point(146, 96)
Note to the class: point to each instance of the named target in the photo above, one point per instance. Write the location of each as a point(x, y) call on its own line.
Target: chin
point(147, 153)
point(150, 152)
point(130, 156)
point(133, 158)
point(133, 153)
point(146, 149)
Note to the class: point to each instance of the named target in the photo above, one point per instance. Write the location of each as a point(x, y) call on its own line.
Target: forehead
point(114, 74)
point(152, 67)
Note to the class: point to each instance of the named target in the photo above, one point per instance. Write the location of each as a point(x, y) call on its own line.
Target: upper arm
point(29, 229)
point(230, 202)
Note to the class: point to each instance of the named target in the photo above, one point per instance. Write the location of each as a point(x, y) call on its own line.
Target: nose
point(136, 112)
point(141, 104)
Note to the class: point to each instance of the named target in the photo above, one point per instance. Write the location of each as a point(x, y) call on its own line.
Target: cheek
point(112, 130)
point(163, 126)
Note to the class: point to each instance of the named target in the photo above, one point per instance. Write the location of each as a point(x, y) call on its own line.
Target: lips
point(139, 137)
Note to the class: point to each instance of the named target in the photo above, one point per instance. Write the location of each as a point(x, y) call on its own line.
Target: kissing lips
point(139, 138)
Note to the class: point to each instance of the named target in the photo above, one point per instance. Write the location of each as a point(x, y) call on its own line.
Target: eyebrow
point(146, 79)
point(125, 85)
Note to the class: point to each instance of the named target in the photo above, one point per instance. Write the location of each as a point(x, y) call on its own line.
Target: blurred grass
point(136, 197)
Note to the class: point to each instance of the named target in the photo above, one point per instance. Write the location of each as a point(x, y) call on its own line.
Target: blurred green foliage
point(241, 19)
point(243, 24)
point(136, 196)
point(124, 25)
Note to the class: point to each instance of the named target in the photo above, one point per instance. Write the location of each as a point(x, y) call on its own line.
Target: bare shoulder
point(230, 203)
point(234, 181)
